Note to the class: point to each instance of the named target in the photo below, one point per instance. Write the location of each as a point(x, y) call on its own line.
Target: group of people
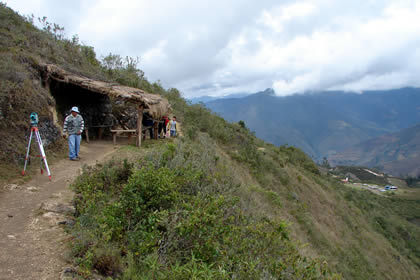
point(74, 126)
point(164, 125)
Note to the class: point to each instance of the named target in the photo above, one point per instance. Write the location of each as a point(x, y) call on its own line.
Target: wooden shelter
point(156, 105)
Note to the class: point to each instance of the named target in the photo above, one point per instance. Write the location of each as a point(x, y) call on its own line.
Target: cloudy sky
point(220, 47)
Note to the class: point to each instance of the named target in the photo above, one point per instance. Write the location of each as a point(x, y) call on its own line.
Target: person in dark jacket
point(148, 123)
point(162, 126)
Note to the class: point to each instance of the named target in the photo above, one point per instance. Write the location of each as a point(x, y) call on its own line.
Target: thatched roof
point(156, 104)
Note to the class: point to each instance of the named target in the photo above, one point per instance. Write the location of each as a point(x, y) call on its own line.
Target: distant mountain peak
point(269, 91)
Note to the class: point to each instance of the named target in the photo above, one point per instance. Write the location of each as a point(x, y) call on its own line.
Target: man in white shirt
point(172, 125)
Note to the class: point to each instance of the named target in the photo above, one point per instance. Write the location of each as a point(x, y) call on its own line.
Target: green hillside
point(215, 203)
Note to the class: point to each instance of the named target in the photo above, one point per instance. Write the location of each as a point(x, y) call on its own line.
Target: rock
point(48, 131)
point(58, 208)
point(69, 273)
point(32, 189)
point(9, 215)
point(67, 222)
point(295, 196)
point(11, 237)
point(52, 217)
point(11, 187)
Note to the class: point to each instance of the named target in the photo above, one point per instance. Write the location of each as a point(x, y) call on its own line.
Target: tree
point(325, 163)
point(123, 71)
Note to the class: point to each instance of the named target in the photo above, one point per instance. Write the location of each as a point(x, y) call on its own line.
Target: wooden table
point(114, 132)
point(100, 131)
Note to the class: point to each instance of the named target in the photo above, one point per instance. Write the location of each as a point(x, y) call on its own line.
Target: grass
point(409, 193)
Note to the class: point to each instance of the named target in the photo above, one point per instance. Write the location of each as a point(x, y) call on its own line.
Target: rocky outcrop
point(49, 132)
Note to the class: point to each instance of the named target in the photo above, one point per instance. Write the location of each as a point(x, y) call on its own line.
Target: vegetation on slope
point(217, 203)
point(286, 184)
point(172, 214)
point(360, 234)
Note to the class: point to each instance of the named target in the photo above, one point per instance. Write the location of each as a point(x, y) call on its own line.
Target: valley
point(347, 128)
point(379, 184)
point(397, 153)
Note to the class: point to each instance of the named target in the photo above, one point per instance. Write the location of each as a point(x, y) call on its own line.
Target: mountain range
point(206, 98)
point(397, 153)
point(323, 123)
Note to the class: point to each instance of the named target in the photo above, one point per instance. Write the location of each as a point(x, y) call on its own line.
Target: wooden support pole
point(87, 134)
point(155, 130)
point(114, 138)
point(100, 132)
point(139, 125)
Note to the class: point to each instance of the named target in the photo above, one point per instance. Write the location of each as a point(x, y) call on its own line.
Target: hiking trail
point(33, 242)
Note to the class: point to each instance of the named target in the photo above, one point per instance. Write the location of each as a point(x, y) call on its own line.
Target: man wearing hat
point(74, 125)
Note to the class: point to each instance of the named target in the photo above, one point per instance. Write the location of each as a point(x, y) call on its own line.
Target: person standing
point(162, 126)
point(74, 126)
point(172, 125)
point(166, 126)
point(147, 123)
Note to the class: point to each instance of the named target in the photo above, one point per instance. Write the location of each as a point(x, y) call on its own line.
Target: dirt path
point(33, 244)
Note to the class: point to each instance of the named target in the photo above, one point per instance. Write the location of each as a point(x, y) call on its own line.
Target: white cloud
point(218, 47)
point(280, 15)
point(156, 54)
point(350, 53)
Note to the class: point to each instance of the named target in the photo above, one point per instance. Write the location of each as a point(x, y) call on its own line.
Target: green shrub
point(175, 217)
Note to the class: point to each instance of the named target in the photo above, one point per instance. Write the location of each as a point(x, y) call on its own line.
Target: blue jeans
point(173, 133)
point(74, 145)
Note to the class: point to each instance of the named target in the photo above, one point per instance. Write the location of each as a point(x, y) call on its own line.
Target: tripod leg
point(27, 154)
point(42, 152)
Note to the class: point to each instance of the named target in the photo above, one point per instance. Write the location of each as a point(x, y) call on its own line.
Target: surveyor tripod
point(34, 130)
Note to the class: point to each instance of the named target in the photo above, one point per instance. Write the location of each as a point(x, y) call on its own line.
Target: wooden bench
point(114, 132)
